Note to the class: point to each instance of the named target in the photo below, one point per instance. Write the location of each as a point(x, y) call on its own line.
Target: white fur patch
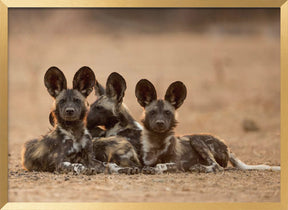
point(145, 142)
point(138, 125)
point(85, 139)
point(77, 145)
point(78, 168)
point(160, 168)
point(148, 147)
point(149, 162)
point(127, 155)
point(66, 164)
point(210, 168)
point(67, 135)
point(165, 167)
point(112, 167)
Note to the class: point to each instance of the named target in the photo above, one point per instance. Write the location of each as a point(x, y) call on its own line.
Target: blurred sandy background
point(229, 60)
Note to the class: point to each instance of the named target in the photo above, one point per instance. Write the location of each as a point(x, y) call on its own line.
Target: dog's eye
point(77, 100)
point(62, 101)
point(167, 113)
point(152, 113)
point(98, 108)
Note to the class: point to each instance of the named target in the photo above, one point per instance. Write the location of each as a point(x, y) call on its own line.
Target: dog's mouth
point(70, 118)
point(158, 129)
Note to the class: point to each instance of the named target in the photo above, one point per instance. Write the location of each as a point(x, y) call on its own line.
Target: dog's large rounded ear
point(115, 87)
point(176, 94)
point(99, 89)
point(145, 92)
point(55, 81)
point(84, 81)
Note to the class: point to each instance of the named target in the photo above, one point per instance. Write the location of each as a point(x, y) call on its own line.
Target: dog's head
point(159, 115)
point(70, 104)
point(105, 110)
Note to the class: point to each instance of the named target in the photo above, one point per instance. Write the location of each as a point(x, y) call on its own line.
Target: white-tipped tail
point(242, 166)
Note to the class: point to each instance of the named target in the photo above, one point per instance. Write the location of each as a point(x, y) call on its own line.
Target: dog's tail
point(237, 163)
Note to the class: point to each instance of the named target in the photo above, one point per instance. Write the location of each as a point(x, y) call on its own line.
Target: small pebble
point(185, 188)
point(249, 125)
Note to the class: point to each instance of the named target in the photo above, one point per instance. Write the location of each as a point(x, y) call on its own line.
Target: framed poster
point(226, 53)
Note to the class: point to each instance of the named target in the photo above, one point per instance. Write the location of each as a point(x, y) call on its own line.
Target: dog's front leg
point(150, 158)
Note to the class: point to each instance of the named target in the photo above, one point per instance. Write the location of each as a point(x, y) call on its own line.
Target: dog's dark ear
point(84, 80)
point(99, 89)
point(145, 92)
point(176, 94)
point(115, 87)
point(55, 81)
point(51, 119)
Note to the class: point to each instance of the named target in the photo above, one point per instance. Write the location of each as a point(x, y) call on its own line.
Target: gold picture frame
point(6, 4)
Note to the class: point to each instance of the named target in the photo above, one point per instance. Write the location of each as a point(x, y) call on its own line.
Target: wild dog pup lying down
point(109, 111)
point(116, 153)
point(198, 152)
point(68, 146)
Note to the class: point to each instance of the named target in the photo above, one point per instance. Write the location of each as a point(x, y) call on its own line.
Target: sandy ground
point(230, 79)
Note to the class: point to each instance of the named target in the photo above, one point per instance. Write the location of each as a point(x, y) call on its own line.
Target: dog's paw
point(148, 170)
point(65, 167)
point(129, 171)
point(217, 168)
point(78, 168)
point(114, 168)
point(206, 169)
point(136, 170)
point(98, 167)
point(195, 168)
point(166, 167)
point(89, 171)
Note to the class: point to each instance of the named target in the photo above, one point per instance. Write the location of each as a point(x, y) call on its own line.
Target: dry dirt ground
point(230, 79)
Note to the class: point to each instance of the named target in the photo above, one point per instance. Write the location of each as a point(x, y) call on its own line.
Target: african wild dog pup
point(109, 111)
point(68, 145)
point(198, 152)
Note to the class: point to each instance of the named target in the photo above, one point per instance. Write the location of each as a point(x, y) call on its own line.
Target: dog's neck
point(72, 128)
point(156, 146)
point(123, 120)
point(156, 140)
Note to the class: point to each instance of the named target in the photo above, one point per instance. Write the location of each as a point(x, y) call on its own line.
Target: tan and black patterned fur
point(109, 112)
point(197, 152)
point(68, 146)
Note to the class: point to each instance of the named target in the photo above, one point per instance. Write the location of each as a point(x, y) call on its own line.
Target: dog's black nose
point(69, 111)
point(160, 123)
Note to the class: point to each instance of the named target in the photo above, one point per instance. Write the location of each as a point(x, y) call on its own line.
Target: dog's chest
point(153, 153)
point(74, 144)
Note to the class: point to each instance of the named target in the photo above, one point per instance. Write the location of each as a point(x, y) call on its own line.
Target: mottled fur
point(69, 142)
point(115, 150)
point(198, 152)
point(109, 112)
